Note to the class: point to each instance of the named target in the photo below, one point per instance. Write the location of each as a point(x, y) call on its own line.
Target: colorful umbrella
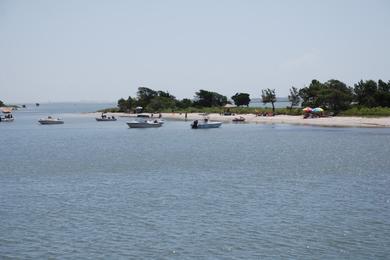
point(317, 110)
point(307, 109)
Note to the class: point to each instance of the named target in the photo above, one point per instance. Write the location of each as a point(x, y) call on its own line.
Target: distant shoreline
point(338, 121)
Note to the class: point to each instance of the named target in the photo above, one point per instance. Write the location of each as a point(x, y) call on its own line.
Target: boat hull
point(105, 119)
point(47, 122)
point(7, 120)
point(209, 125)
point(144, 124)
point(206, 125)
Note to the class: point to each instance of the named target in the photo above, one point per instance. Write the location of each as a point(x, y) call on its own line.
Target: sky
point(54, 51)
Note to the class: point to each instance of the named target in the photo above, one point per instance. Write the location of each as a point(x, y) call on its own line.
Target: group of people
point(7, 116)
point(105, 116)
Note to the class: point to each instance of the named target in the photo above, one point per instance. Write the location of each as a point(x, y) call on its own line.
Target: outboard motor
point(194, 124)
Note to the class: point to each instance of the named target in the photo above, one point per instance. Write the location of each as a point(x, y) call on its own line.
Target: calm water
point(89, 190)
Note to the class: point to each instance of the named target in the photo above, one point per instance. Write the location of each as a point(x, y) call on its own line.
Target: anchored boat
point(7, 117)
point(144, 123)
point(50, 121)
point(205, 124)
point(105, 118)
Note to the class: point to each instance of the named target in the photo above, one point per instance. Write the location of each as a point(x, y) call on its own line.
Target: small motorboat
point(145, 123)
point(50, 121)
point(205, 124)
point(105, 118)
point(8, 117)
point(100, 119)
point(238, 119)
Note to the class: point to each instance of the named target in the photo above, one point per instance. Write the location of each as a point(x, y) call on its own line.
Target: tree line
point(332, 95)
point(336, 96)
point(157, 100)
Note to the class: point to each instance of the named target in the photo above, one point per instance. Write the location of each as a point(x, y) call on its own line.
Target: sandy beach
point(279, 119)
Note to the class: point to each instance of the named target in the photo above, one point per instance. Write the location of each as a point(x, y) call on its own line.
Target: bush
point(367, 112)
point(109, 110)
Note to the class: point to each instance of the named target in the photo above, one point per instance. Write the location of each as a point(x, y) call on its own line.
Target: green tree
point(160, 103)
point(294, 97)
point(365, 93)
point(309, 95)
point(1, 103)
point(383, 86)
point(382, 96)
point(122, 105)
point(184, 103)
point(336, 96)
point(269, 96)
point(204, 98)
point(241, 99)
point(333, 95)
point(165, 94)
point(145, 95)
point(126, 105)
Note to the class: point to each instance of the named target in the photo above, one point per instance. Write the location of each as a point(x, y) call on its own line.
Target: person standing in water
point(185, 116)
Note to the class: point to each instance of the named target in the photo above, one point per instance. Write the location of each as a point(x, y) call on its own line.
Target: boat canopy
point(6, 110)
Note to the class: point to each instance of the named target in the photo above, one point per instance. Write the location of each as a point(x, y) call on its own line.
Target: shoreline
point(361, 122)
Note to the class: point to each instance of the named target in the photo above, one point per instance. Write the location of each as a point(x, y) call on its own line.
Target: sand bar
point(338, 121)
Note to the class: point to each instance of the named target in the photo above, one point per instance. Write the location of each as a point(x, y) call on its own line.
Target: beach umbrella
point(317, 110)
point(307, 109)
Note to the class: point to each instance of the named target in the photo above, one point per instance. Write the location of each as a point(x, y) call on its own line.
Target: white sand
point(280, 119)
point(296, 120)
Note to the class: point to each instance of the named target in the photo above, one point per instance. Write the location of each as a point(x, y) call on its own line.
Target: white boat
point(144, 123)
point(8, 117)
point(105, 118)
point(50, 121)
point(205, 124)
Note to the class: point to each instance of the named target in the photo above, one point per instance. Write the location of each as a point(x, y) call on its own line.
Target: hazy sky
point(103, 50)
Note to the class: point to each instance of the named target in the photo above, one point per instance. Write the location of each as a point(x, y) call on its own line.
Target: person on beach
point(185, 116)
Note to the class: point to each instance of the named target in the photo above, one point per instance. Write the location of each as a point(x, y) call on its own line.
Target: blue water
point(99, 190)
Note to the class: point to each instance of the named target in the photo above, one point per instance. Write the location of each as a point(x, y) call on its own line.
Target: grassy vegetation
point(109, 110)
point(367, 112)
